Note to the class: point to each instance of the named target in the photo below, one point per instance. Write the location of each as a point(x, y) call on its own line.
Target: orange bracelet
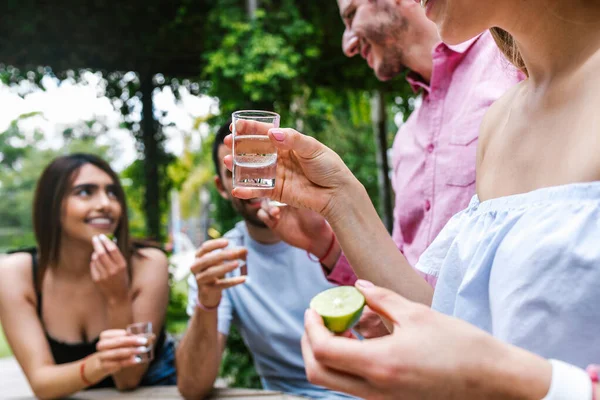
point(82, 374)
point(328, 250)
point(330, 247)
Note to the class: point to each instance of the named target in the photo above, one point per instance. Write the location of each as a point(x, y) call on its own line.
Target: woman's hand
point(428, 356)
point(109, 270)
point(117, 350)
point(309, 174)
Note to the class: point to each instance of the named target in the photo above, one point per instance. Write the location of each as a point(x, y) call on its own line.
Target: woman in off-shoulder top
point(519, 270)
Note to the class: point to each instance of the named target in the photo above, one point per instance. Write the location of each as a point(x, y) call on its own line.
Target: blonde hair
point(509, 48)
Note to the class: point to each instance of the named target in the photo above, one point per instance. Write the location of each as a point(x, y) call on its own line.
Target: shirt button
point(427, 205)
point(430, 148)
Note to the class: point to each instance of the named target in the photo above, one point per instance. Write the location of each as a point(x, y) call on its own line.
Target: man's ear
point(220, 188)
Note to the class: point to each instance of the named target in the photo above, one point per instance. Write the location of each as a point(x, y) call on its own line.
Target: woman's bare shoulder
point(16, 275)
point(497, 115)
point(149, 255)
point(149, 262)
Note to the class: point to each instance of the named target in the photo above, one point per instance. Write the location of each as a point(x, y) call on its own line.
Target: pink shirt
point(434, 152)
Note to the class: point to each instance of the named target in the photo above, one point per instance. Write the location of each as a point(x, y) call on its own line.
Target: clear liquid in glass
point(254, 162)
point(148, 355)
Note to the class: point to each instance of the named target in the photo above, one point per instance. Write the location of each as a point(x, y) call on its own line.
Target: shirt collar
point(417, 82)
point(462, 48)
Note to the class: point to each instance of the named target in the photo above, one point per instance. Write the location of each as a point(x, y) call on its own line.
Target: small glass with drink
point(143, 329)
point(254, 157)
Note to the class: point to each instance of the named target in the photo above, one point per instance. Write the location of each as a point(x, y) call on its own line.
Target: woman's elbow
point(43, 393)
point(128, 385)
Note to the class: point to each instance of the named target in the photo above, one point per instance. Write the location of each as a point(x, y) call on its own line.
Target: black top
point(64, 353)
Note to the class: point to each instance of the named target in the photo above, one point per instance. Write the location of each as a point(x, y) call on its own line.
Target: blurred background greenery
point(281, 55)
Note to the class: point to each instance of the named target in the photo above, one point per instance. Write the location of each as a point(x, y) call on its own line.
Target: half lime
point(340, 307)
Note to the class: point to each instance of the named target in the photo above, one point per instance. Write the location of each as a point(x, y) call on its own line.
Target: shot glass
point(254, 157)
point(143, 329)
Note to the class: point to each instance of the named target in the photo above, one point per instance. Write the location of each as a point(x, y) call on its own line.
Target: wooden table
point(170, 392)
point(13, 385)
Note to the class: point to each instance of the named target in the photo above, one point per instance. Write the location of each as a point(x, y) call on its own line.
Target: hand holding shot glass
point(254, 157)
point(143, 330)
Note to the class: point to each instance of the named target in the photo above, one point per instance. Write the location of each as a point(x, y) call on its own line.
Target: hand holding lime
point(340, 307)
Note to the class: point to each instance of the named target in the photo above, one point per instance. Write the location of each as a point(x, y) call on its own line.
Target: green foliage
point(191, 172)
point(4, 347)
point(176, 312)
point(237, 364)
point(260, 59)
point(132, 178)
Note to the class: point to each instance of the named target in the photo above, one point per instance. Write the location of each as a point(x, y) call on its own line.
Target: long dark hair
point(52, 188)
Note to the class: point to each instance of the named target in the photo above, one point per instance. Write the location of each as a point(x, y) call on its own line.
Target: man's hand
point(304, 229)
point(210, 267)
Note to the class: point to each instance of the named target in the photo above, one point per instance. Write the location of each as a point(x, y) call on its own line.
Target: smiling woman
point(65, 305)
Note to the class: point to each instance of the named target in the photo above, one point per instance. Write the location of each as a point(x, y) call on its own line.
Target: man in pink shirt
point(435, 149)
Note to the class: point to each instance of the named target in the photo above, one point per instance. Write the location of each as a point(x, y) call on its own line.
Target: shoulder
point(16, 265)
point(149, 256)
point(151, 253)
point(496, 116)
point(16, 276)
point(149, 263)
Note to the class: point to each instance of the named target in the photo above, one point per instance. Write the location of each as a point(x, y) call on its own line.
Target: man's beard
point(389, 35)
point(390, 67)
point(241, 206)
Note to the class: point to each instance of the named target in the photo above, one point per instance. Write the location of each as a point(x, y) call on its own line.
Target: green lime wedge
point(340, 307)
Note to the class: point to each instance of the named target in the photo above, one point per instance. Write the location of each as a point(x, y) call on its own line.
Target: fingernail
point(364, 284)
point(137, 359)
point(142, 340)
point(141, 349)
point(278, 134)
point(307, 313)
point(95, 238)
point(103, 237)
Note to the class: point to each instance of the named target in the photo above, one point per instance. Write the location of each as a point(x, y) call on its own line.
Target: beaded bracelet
point(207, 309)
